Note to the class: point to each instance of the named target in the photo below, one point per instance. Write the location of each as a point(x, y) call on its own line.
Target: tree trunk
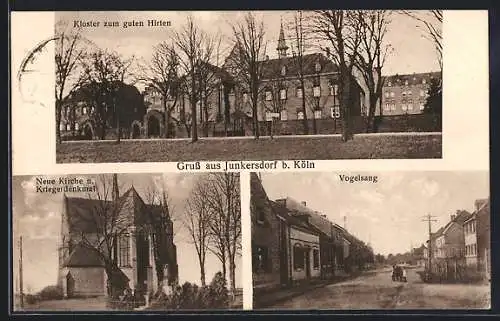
point(255, 120)
point(315, 127)
point(370, 123)
point(232, 274)
point(304, 121)
point(205, 127)
point(166, 118)
point(58, 121)
point(202, 274)
point(346, 107)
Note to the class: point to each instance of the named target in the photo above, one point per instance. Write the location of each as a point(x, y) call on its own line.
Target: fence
point(455, 270)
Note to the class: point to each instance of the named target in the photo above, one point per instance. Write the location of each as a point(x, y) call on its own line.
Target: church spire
point(116, 191)
point(282, 47)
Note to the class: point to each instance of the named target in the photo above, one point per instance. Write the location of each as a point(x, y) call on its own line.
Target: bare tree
point(340, 30)
point(162, 74)
point(208, 76)
point(224, 202)
point(162, 234)
point(105, 73)
point(432, 22)
point(196, 221)
point(274, 86)
point(69, 52)
point(195, 48)
point(371, 56)
point(299, 47)
point(246, 64)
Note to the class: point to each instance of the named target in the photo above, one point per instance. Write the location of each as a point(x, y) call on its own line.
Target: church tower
point(282, 47)
point(116, 191)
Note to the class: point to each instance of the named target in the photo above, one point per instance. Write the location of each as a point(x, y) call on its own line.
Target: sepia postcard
point(366, 240)
point(136, 242)
point(255, 85)
point(170, 161)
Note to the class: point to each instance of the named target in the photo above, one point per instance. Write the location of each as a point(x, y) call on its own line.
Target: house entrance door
point(308, 262)
point(70, 285)
point(283, 255)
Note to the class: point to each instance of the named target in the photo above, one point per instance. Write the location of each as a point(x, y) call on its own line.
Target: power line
point(429, 219)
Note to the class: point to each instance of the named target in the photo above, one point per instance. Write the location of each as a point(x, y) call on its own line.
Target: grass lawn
point(279, 148)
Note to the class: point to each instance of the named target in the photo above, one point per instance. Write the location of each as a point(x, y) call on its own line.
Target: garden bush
point(51, 292)
point(191, 296)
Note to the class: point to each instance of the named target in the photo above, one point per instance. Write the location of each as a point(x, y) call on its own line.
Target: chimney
point(281, 201)
point(303, 203)
point(267, 57)
point(452, 217)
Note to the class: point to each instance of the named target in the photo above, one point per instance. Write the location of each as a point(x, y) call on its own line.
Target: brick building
point(285, 246)
point(80, 118)
point(477, 237)
point(280, 91)
point(406, 94)
point(82, 268)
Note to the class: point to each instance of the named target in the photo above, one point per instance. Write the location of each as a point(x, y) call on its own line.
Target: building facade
point(81, 119)
point(88, 257)
point(406, 94)
point(477, 237)
point(281, 97)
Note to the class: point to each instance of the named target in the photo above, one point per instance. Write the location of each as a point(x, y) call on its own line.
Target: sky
point(387, 214)
point(37, 218)
point(411, 50)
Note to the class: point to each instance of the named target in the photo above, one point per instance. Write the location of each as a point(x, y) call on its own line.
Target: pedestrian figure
point(403, 274)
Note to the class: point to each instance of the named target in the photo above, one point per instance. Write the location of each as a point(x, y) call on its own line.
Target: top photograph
point(173, 86)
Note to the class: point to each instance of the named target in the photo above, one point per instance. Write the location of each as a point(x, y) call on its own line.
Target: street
point(377, 291)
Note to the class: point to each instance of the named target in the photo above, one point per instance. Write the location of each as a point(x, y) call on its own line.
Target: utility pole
point(429, 219)
point(345, 222)
point(21, 294)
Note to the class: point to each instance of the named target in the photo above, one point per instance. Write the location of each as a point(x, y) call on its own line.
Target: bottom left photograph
point(158, 242)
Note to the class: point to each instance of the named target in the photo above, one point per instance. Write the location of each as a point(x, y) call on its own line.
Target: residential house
point(285, 246)
point(477, 237)
point(89, 255)
point(406, 94)
point(81, 118)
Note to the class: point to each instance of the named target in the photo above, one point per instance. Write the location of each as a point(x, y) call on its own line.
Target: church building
point(124, 239)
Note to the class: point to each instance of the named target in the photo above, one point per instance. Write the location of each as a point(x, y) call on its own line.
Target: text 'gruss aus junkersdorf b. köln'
point(245, 165)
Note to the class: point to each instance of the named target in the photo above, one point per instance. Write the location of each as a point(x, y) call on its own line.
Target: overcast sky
point(388, 214)
point(37, 218)
point(411, 51)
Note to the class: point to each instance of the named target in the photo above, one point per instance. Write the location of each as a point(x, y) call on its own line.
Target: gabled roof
point(83, 256)
point(84, 215)
point(413, 79)
point(460, 219)
point(272, 68)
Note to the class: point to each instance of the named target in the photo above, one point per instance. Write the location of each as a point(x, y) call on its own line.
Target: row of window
point(318, 114)
point(300, 254)
point(261, 262)
point(68, 128)
point(424, 81)
point(471, 249)
point(470, 227)
point(405, 93)
point(404, 107)
point(268, 94)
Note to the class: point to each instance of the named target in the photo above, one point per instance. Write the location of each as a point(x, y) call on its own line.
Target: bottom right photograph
point(371, 240)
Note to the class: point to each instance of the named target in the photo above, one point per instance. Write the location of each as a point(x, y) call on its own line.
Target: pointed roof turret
point(282, 47)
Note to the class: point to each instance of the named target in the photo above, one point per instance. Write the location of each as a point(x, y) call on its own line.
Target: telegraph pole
point(429, 219)
point(21, 294)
